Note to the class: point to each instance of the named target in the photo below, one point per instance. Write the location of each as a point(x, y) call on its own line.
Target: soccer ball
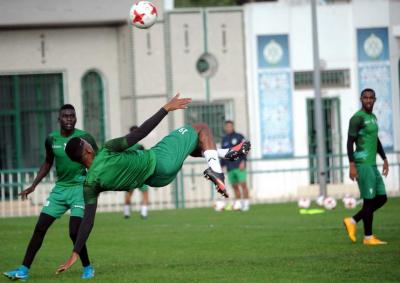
point(237, 205)
point(329, 203)
point(349, 202)
point(320, 201)
point(219, 205)
point(304, 203)
point(143, 14)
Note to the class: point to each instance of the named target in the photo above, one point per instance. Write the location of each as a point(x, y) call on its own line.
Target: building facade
point(252, 64)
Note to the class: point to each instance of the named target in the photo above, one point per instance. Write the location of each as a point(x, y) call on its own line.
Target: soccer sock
point(367, 237)
point(246, 203)
point(367, 204)
point(222, 152)
point(143, 210)
point(367, 215)
point(212, 158)
point(44, 222)
point(352, 220)
point(127, 210)
point(74, 223)
point(237, 204)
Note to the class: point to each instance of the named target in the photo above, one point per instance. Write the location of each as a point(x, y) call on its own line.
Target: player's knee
point(381, 200)
point(73, 235)
point(368, 206)
point(41, 228)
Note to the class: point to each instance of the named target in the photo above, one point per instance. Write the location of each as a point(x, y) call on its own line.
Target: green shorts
point(170, 153)
point(143, 188)
point(237, 176)
point(370, 182)
point(63, 198)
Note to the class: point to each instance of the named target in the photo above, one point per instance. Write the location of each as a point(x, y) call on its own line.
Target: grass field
point(270, 243)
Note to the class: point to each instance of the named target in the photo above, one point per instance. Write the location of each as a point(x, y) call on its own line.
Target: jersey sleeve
point(47, 144)
point(123, 143)
point(117, 145)
point(354, 126)
point(49, 149)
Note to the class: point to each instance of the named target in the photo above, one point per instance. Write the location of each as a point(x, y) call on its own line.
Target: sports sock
point(367, 237)
point(143, 210)
point(222, 152)
point(127, 210)
point(352, 220)
point(211, 156)
point(237, 205)
point(44, 222)
point(367, 215)
point(367, 204)
point(246, 203)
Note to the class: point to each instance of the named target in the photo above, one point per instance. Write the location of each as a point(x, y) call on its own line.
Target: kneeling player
point(117, 167)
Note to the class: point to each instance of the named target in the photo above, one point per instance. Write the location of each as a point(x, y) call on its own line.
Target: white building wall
point(394, 44)
point(337, 24)
point(72, 51)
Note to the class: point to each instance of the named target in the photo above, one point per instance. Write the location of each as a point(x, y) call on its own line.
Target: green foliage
point(270, 243)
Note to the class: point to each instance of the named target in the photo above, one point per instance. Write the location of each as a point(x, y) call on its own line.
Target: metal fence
point(269, 181)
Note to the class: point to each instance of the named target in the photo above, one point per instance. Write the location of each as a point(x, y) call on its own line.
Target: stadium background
point(84, 53)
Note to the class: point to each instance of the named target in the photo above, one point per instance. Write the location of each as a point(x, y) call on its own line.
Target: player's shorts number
point(182, 130)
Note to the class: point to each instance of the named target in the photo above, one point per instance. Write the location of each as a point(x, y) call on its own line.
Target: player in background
point(236, 169)
point(144, 189)
point(66, 194)
point(363, 131)
point(116, 167)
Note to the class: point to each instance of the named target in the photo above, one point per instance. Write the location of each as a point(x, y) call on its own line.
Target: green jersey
point(364, 127)
point(118, 167)
point(69, 173)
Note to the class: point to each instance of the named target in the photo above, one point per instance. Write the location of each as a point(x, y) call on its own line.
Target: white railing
point(269, 181)
point(12, 182)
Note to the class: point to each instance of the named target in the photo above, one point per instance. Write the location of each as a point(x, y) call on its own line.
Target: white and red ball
point(219, 205)
point(304, 203)
point(329, 203)
point(143, 14)
point(349, 202)
point(320, 200)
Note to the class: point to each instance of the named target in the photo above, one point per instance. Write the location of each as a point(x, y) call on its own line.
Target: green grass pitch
point(270, 243)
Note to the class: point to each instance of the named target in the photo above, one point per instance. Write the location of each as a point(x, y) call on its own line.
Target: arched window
point(93, 105)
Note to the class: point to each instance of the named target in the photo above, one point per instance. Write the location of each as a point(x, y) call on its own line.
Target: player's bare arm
point(43, 171)
point(84, 231)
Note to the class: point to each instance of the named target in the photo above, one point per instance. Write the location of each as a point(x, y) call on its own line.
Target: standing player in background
point(236, 169)
point(363, 131)
point(116, 167)
point(144, 189)
point(66, 194)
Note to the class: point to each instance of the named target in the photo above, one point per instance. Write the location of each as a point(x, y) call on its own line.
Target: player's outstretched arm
point(144, 129)
point(43, 171)
point(84, 230)
point(120, 144)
